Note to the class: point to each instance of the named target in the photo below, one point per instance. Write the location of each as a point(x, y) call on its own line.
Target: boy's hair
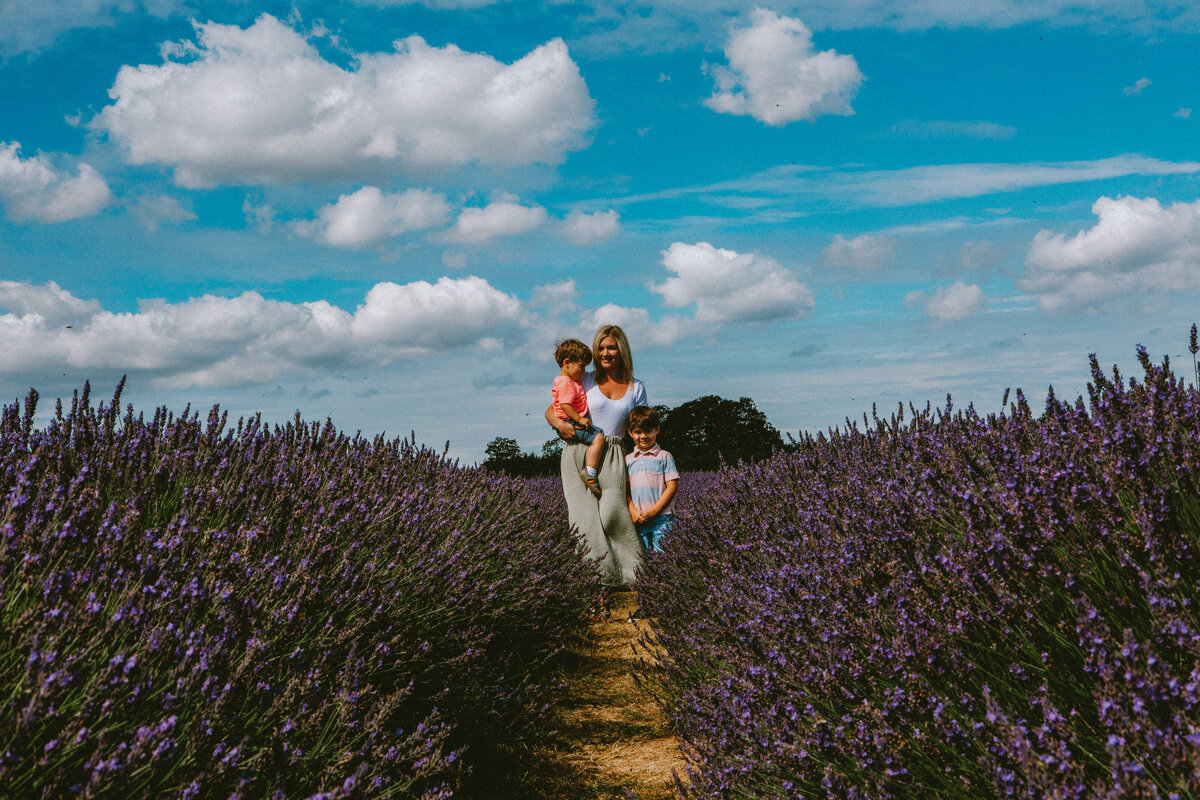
point(573, 350)
point(643, 418)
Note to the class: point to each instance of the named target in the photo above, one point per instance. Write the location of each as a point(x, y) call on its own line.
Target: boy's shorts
point(586, 435)
point(654, 530)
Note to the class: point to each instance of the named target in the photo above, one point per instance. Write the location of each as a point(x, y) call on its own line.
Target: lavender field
point(944, 604)
point(935, 604)
point(190, 608)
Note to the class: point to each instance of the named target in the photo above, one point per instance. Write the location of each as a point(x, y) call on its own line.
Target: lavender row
point(947, 605)
point(193, 609)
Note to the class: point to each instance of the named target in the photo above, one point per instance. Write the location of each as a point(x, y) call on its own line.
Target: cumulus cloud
point(1136, 245)
point(50, 306)
point(861, 252)
point(587, 229)
point(501, 218)
point(369, 217)
point(246, 339)
point(261, 105)
point(638, 326)
point(948, 303)
point(34, 190)
point(422, 317)
point(726, 286)
point(775, 75)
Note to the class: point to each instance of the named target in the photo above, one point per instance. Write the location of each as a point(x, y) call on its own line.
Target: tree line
point(701, 434)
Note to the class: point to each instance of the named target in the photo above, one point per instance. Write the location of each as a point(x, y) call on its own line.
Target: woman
point(604, 523)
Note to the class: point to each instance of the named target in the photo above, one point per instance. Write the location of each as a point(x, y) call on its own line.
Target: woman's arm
point(565, 429)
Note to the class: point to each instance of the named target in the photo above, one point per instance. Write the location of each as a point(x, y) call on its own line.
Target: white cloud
point(662, 26)
point(246, 339)
point(33, 190)
point(501, 218)
point(949, 303)
point(423, 317)
point(587, 229)
point(775, 75)
point(441, 4)
point(638, 326)
point(979, 254)
point(946, 129)
point(861, 252)
point(261, 105)
point(261, 217)
point(555, 296)
point(947, 181)
point(1136, 245)
point(1138, 87)
point(726, 286)
point(455, 260)
point(156, 210)
point(1184, 113)
point(369, 217)
point(50, 306)
point(30, 25)
point(784, 188)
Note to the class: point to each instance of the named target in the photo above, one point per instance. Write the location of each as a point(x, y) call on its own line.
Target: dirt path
point(611, 738)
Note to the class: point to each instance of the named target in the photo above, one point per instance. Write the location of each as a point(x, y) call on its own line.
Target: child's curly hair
point(573, 350)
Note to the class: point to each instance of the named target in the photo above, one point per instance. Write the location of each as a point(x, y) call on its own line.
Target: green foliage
point(708, 431)
point(505, 455)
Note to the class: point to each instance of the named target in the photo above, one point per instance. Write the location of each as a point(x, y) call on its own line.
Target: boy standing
point(653, 479)
point(570, 403)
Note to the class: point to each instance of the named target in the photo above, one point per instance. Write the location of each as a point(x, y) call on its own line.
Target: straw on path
point(612, 740)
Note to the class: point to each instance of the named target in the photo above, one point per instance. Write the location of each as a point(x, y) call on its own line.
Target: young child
point(653, 479)
point(570, 403)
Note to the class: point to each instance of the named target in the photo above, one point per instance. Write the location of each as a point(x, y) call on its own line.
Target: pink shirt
point(569, 392)
point(649, 471)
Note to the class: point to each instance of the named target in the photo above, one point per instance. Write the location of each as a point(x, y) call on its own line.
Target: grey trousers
point(603, 524)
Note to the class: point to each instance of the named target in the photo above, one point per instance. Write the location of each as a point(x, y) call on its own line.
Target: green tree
point(501, 450)
point(703, 433)
point(505, 455)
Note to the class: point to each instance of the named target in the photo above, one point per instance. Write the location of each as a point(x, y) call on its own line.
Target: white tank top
point(610, 415)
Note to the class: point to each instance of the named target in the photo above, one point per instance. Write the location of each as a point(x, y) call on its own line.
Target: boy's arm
point(564, 427)
point(664, 499)
point(574, 415)
point(633, 512)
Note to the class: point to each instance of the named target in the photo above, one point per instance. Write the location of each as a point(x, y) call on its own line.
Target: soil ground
point(609, 739)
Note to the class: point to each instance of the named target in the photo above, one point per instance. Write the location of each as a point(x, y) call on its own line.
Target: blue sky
point(386, 213)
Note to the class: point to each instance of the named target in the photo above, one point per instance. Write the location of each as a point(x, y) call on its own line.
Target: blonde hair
point(625, 372)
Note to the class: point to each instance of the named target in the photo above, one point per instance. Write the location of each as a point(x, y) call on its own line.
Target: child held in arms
point(570, 403)
point(653, 479)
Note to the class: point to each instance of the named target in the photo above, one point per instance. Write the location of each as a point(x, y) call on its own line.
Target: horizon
point(386, 212)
